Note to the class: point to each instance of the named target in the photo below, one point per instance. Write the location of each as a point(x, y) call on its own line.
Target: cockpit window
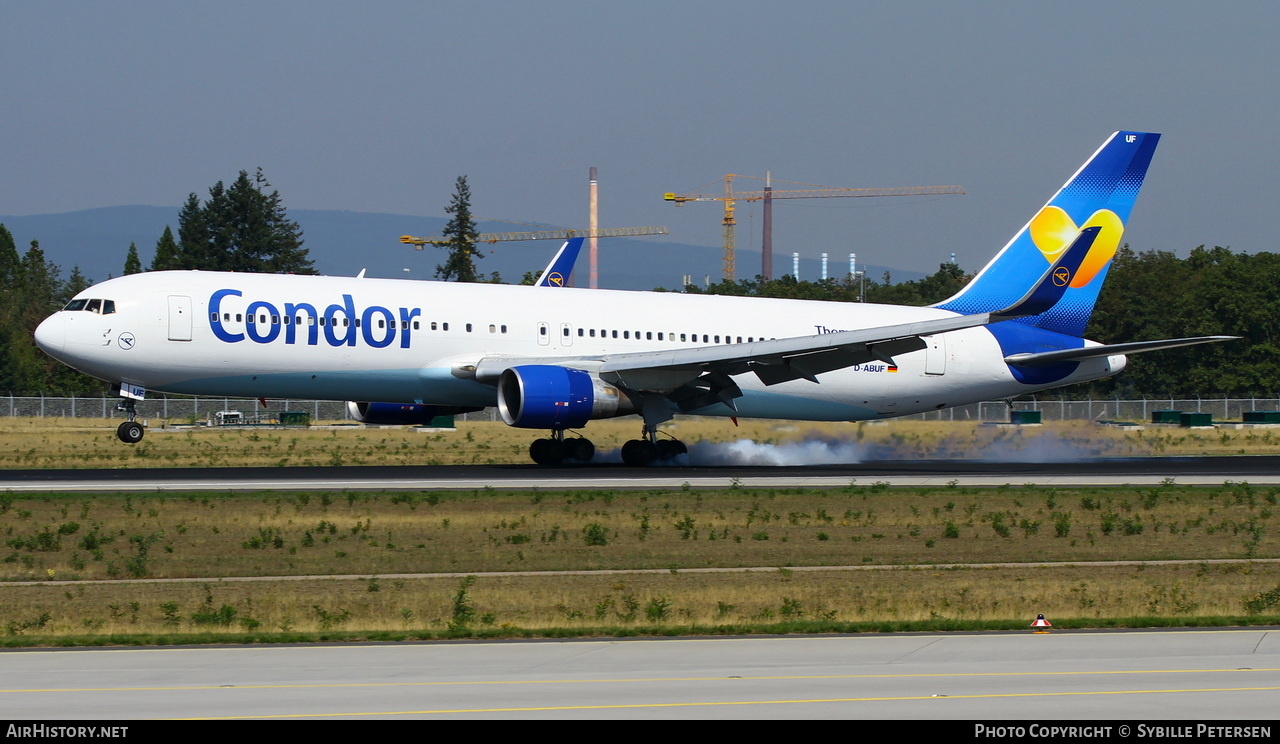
point(103, 307)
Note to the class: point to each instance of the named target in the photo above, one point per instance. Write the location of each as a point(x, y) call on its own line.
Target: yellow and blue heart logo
point(1053, 230)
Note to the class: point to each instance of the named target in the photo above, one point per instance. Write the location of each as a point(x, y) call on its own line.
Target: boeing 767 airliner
point(404, 351)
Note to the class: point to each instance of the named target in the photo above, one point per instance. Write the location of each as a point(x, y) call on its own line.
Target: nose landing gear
point(129, 432)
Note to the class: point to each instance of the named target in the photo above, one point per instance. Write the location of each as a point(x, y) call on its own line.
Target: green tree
point(243, 227)
point(75, 284)
point(9, 261)
point(193, 234)
point(166, 256)
point(132, 264)
point(461, 232)
point(36, 292)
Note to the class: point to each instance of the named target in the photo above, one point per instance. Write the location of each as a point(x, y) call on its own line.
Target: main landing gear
point(649, 449)
point(129, 432)
point(557, 449)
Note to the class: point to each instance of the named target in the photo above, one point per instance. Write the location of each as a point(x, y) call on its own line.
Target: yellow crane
point(730, 197)
point(614, 232)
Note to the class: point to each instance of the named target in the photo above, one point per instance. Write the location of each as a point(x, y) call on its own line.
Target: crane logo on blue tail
point(1100, 195)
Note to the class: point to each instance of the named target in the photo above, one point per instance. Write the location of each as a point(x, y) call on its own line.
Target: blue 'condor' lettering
point(342, 323)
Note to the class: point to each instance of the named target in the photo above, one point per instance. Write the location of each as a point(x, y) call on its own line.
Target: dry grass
point(86, 443)
point(642, 601)
point(218, 535)
point(57, 539)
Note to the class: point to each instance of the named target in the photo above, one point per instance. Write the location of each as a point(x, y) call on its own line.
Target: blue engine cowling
point(399, 414)
point(536, 396)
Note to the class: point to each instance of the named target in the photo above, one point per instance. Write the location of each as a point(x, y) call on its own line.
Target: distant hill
point(342, 243)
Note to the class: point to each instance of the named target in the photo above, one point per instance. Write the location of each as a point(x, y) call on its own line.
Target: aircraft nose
point(51, 335)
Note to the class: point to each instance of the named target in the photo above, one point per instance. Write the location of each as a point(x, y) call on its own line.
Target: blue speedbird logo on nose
point(341, 325)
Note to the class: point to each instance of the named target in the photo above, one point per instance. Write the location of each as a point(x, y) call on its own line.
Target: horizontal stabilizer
point(1091, 352)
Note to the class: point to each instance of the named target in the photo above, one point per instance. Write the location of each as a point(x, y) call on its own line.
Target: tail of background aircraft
point(561, 267)
point(1100, 194)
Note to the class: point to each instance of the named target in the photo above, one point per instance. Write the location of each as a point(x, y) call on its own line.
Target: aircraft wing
point(1089, 352)
point(690, 375)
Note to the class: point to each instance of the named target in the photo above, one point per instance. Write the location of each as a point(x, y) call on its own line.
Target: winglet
point(1054, 282)
point(561, 267)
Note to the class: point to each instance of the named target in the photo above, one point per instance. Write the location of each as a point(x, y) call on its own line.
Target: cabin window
point(444, 326)
point(566, 331)
point(468, 328)
point(493, 328)
point(542, 330)
point(593, 333)
point(582, 332)
point(415, 325)
point(615, 334)
point(503, 328)
point(275, 320)
point(249, 320)
point(626, 334)
point(433, 325)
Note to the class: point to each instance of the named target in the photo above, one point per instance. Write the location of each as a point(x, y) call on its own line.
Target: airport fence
point(199, 409)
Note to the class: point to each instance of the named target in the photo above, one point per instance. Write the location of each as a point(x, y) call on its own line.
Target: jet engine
point(399, 414)
point(537, 396)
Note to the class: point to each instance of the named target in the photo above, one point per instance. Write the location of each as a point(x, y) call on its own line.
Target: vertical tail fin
point(557, 272)
point(1101, 194)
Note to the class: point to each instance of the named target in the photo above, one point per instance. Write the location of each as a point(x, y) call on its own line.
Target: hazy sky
point(379, 106)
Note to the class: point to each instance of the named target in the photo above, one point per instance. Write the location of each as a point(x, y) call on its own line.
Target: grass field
point(886, 552)
point(87, 443)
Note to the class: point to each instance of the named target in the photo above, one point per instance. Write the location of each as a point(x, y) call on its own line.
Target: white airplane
point(554, 360)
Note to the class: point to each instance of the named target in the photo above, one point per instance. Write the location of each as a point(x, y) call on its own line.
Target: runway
point(1258, 470)
point(1141, 677)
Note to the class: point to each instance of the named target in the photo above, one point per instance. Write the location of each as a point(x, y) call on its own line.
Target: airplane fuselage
point(338, 338)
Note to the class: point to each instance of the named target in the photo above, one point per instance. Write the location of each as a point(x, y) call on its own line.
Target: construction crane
point(730, 197)
point(615, 232)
